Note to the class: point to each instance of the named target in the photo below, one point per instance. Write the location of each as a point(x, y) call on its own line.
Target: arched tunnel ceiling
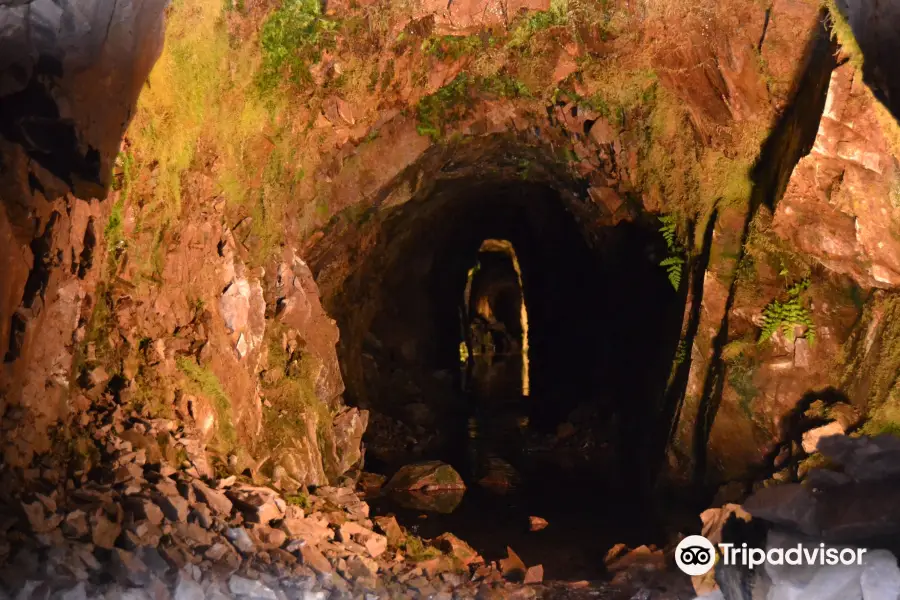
point(603, 319)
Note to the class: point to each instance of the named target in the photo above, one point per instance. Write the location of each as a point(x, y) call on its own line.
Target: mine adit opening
point(603, 324)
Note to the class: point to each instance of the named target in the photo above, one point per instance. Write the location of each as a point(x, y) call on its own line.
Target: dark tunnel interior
point(603, 324)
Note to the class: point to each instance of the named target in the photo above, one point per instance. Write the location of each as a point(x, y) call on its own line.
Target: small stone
point(258, 504)
point(360, 567)
point(202, 514)
point(251, 589)
point(375, 544)
point(315, 559)
point(217, 551)
point(194, 534)
point(39, 523)
point(76, 524)
point(801, 353)
point(144, 508)
point(269, 537)
point(512, 566)
point(104, 532)
point(75, 593)
point(457, 548)
point(536, 523)
point(227, 482)
point(187, 588)
point(390, 528)
point(534, 574)
point(430, 476)
point(215, 499)
point(175, 508)
point(308, 529)
point(241, 540)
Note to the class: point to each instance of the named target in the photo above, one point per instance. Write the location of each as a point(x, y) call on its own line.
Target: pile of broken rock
point(133, 526)
point(851, 502)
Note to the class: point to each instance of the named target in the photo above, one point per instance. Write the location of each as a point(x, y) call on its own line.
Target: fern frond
point(788, 315)
point(673, 263)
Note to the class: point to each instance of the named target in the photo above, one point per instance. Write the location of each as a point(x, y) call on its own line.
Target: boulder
point(349, 427)
point(258, 504)
point(251, 589)
point(307, 528)
point(443, 501)
point(391, 529)
point(430, 476)
point(500, 476)
point(215, 499)
point(458, 549)
point(811, 438)
point(512, 566)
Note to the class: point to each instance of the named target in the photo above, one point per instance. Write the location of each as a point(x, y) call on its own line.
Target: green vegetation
point(872, 356)
point(114, 231)
point(674, 262)
point(207, 384)
point(301, 500)
point(201, 106)
point(454, 101)
point(416, 550)
point(292, 39)
point(96, 348)
point(451, 46)
point(787, 315)
point(841, 30)
point(556, 16)
point(291, 406)
point(741, 371)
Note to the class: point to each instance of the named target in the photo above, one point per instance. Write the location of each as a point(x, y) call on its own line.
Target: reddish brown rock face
point(236, 345)
point(467, 16)
point(842, 206)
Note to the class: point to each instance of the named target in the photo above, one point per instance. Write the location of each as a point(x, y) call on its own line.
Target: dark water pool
point(586, 518)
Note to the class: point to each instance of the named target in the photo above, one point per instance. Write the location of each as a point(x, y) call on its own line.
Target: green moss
point(301, 500)
point(291, 400)
point(416, 550)
point(843, 32)
point(881, 427)
point(454, 101)
point(813, 461)
point(292, 39)
point(448, 104)
point(556, 16)
point(452, 47)
point(114, 232)
point(871, 360)
point(445, 475)
point(206, 383)
point(741, 371)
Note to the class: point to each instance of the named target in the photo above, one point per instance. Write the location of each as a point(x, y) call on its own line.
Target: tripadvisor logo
point(696, 555)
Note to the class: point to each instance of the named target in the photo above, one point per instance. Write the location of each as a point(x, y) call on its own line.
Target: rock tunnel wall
point(63, 116)
point(615, 129)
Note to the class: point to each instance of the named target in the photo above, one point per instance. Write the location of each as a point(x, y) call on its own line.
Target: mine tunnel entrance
point(487, 327)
